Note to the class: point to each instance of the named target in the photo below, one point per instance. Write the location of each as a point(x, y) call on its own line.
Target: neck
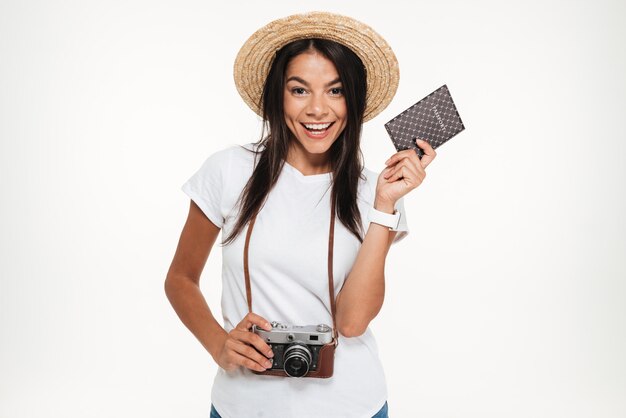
point(307, 163)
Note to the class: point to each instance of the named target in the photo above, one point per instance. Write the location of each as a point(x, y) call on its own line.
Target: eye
point(298, 91)
point(336, 91)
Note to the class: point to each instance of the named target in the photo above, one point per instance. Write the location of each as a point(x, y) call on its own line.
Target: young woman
point(314, 78)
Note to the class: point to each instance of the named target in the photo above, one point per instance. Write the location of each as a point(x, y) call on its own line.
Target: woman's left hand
point(404, 172)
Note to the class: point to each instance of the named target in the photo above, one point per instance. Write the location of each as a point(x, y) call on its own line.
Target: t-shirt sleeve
point(206, 186)
point(403, 226)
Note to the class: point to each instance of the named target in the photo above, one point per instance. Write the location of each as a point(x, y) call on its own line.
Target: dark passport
point(434, 119)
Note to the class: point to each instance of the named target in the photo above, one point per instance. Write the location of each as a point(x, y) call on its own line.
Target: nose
point(317, 106)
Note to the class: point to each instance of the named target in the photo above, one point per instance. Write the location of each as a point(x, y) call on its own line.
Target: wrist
point(216, 344)
point(384, 206)
point(390, 220)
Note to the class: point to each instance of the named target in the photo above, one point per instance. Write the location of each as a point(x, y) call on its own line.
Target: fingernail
point(270, 353)
point(268, 364)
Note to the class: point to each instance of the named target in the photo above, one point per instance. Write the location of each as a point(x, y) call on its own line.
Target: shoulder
point(369, 178)
point(244, 156)
point(367, 184)
point(224, 159)
point(235, 151)
point(370, 175)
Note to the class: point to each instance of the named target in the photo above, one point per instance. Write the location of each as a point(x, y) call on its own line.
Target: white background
point(506, 300)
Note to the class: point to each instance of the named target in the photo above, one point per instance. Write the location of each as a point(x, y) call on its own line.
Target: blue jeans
point(380, 414)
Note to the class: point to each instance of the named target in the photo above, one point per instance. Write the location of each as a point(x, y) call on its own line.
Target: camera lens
point(297, 360)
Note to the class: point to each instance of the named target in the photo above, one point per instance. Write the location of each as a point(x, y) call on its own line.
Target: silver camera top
point(284, 334)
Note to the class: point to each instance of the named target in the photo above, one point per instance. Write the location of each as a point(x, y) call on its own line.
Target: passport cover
point(434, 119)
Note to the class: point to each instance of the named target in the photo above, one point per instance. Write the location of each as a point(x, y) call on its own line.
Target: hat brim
point(255, 57)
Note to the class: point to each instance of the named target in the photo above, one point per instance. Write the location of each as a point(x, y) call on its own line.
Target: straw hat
point(255, 58)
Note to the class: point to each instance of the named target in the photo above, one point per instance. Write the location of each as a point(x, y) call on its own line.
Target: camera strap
point(331, 287)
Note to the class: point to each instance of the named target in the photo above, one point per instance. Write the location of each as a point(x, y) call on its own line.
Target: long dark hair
point(346, 159)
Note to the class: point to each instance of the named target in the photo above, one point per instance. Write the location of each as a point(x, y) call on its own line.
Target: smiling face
point(315, 110)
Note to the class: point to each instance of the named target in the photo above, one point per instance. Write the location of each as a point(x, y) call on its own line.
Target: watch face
point(398, 222)
point(385, 219)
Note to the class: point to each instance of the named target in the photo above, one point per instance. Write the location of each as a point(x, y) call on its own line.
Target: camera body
point(296, 348)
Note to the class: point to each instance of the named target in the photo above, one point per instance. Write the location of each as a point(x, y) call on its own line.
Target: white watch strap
point(386, 219)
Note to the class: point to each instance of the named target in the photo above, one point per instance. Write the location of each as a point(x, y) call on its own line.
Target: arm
point(363, 291)
point(229, 349)
point(183, 280)
point(365, 285)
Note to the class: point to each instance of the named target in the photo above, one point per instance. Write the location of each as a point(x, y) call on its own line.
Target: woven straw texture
point(254, 60)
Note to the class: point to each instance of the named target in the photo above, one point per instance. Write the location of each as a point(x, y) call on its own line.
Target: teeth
point(317, 126)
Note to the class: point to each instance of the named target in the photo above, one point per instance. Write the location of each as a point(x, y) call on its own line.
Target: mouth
point(317, 130)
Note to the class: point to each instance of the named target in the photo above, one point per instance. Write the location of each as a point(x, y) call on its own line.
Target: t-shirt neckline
point(310, 178)
point(298, 174)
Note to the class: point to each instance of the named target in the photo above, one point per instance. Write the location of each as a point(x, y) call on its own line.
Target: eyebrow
point(300, 80)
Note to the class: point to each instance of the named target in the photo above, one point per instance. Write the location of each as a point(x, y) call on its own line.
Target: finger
point(412, 170)
point(411, 160)
point(252, 355)
point(429, 152)
point(254, 340)
point(240, 360)
point(397, 174)
point(399, 156)
point(411, 176)
point(253, 319)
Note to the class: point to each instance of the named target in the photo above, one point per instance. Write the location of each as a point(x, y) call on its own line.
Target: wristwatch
point(385, 219)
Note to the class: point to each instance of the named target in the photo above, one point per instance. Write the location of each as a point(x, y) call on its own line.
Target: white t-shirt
point(289, 280)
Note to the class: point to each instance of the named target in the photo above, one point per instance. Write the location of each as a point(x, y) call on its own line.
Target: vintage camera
point(296, 348)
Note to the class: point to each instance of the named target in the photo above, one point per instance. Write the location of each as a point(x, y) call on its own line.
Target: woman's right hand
point(242, 347)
